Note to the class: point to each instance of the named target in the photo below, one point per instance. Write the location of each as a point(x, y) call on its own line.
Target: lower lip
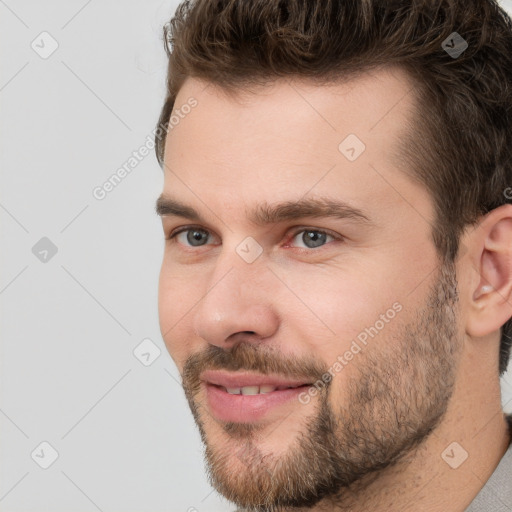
point(247, 408)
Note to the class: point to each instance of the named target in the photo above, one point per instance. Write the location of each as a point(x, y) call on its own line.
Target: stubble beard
point(397, 396)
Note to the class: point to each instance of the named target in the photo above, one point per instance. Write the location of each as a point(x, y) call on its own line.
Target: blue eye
point(312, 238)
point(194, 236)
point(197, 237)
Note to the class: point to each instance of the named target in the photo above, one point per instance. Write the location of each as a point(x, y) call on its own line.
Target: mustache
point(250, 357)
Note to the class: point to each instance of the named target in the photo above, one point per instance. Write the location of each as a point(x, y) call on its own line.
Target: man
point(337, 274)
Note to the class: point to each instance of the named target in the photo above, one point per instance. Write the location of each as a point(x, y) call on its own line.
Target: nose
point(237, 301)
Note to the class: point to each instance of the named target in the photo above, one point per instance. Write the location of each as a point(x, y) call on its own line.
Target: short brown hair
point(460, 147)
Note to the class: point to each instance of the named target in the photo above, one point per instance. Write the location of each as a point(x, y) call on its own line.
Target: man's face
point(353, 312)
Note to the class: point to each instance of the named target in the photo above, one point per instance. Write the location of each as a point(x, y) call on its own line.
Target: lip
point(247, 408)
point(241, 379)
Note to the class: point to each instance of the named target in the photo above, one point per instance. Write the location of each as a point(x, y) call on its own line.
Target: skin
point(296, 304)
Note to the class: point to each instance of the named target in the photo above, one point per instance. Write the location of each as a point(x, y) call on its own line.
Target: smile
point(245, 398)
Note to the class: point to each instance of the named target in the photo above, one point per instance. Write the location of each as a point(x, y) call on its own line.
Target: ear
point(491, 289)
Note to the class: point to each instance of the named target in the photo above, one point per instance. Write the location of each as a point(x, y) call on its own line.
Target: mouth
point(246, 398)
point(258, 390)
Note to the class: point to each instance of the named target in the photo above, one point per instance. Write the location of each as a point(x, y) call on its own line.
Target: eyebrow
point(272, 214)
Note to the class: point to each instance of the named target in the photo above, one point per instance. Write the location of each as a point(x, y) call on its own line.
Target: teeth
point(250, 390)
point(256, 390)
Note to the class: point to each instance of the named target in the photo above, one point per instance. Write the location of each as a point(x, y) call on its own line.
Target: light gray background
point(125, 438)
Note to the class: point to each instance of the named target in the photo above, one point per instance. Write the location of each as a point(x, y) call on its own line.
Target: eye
point(194, 236)
point(197, 237)
point(312, 238)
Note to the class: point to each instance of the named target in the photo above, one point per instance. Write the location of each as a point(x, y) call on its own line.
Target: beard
point(397, 396)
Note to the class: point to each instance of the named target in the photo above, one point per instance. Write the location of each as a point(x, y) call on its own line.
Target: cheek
point(175, 310)
point(350, 314)
point(334, 307)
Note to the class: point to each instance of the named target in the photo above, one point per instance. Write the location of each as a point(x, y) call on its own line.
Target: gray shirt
point(496, 494)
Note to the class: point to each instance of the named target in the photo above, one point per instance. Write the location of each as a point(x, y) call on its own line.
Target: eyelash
point(172, 236)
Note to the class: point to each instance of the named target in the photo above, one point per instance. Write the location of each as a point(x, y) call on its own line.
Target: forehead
point(292, 138)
